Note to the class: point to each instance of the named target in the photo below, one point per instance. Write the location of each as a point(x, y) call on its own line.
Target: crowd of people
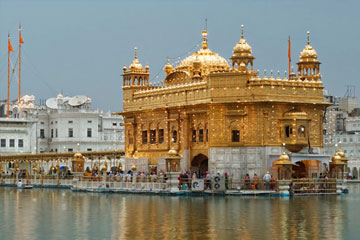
point(121, 176)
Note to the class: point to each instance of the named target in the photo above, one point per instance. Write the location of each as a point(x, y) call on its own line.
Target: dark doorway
point(299, 170)
point(199, 165)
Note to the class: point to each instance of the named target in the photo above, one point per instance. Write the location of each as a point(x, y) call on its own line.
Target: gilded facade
point(222, 117)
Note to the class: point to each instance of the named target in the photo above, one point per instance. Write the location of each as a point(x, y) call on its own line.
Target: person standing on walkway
point(267, 178)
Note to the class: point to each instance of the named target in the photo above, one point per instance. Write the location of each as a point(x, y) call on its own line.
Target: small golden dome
point(168, 67)
point(209, 60)
point(172, 152)
point(284, 157)
point(335, 158)
point(78, 155)
point(308, 53)
point(133, 168)
point(341, 153)
point(136, 65)
point(242, 48)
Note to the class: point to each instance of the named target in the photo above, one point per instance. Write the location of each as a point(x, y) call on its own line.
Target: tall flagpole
point(20, 41)
point(8, 86)
point(289, 55)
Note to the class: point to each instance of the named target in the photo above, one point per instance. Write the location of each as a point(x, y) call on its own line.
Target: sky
point(79, 47)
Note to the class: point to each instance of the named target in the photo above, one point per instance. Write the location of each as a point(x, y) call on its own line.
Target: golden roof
point(209, 60)
point(136, 65)
point(242, 48)
point(308, 54)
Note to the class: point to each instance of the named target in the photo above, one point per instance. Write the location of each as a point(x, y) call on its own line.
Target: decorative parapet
point(295, 83)
point(170, 88)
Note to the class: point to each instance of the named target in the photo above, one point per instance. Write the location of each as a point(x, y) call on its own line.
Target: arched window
point(161, 135)
point(201, 133)
point(301, 131)
point(288, 131)
point(174, 136)
point(193, 136)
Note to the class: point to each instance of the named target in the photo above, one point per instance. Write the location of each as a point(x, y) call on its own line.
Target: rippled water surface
point(62, 214)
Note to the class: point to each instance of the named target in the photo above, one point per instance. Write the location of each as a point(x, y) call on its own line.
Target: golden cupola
point(309, 65)
point(135, 74)
point(135, 64)
point(242, 53)
point(209, 61)
point(168, 68)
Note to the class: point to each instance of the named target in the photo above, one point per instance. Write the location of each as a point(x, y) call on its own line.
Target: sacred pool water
point(63, 214)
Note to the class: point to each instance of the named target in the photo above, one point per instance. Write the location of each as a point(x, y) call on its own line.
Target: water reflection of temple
point(225, 117)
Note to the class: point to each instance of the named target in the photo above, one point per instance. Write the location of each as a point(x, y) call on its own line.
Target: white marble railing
point(120, 185)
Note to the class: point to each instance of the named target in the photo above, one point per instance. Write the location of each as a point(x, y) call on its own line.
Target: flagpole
point(289, 55)
point(19, 62)
point(8, 86)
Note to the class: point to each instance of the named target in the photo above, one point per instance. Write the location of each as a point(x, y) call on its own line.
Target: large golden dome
point(308, 54)
point(209, 60)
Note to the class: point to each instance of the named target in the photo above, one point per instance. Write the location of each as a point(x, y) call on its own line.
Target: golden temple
point(222, 117)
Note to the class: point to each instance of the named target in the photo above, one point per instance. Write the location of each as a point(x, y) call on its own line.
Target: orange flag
point(21, 40)
point(10, 49)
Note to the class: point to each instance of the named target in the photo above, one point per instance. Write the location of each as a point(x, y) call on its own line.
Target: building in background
point(342, 129)
point(63, 124)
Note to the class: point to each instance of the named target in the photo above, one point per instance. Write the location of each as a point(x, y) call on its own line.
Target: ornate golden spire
point(242, 31)
point(204, 43)
point(135, 53)
point(308, 37)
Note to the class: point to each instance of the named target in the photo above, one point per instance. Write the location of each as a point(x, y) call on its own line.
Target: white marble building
point(64, 124)
point(343, 130)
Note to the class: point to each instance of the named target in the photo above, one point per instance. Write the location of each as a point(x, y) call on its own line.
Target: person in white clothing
point(267, 178)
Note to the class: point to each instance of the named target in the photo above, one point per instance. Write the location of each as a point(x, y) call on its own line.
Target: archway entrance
point(299, 170)
point(199, 165)
point(309, 169)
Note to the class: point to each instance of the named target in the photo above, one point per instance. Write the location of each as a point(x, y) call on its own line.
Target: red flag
point(10, 49)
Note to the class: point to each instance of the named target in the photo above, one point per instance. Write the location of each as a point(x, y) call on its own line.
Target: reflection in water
point(62, 214)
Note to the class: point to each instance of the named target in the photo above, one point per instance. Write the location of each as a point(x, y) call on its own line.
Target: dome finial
point(168, 60)
point(136, 52)
point(242, 31)
point(308, 37)
point(204, 43)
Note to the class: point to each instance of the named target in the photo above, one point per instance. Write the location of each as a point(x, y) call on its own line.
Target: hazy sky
point(78, 47)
